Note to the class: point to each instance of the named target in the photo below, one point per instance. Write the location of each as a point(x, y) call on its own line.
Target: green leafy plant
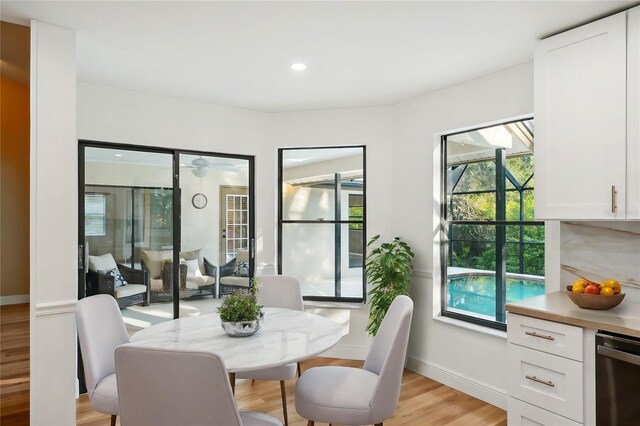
point(242, 305)
point(388, 269)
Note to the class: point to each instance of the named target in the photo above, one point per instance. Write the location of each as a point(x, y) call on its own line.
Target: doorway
point(234, 221)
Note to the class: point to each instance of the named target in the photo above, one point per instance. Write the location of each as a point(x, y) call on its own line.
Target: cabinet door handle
point(544, 382)
point(542, 336)
point(613, 199)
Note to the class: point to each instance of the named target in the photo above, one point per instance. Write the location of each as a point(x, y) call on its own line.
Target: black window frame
point(282, 221)
point(500, 223)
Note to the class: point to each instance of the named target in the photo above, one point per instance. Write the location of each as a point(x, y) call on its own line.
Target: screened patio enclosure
point(494, 251)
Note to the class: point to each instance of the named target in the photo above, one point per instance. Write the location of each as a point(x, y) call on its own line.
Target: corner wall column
point(53, 221)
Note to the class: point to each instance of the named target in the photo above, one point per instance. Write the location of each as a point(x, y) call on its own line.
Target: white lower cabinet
point(544, 388)
point(521, 413)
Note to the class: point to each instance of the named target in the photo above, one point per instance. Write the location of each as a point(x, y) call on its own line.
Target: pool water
point(477, 293)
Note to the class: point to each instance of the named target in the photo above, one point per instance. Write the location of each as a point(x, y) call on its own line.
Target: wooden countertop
point(623, 319)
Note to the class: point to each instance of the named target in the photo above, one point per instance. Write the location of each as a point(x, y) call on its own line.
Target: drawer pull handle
point(544, 382)
point(542, 336)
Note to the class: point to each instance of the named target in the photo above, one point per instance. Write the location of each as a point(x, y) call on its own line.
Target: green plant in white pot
point(240, 313)
point(388, 268)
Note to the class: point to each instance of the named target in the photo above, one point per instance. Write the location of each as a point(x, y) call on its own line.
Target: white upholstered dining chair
point(168, 387)
point(361, 396)
point(100, 330)
point(278, 291)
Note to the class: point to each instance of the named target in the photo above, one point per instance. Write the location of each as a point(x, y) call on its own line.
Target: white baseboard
point(14, 300)
point(482, 391)
point(347, 352)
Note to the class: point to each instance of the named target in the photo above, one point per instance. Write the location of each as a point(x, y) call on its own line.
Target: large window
point(321, 218)
point(493, 249)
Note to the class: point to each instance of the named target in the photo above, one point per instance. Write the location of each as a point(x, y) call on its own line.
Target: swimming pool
point(477, 292)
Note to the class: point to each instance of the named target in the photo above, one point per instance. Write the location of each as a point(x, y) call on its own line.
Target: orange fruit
point(614, 284)
point(577, 288)
point(607, 291)
point(581, 281)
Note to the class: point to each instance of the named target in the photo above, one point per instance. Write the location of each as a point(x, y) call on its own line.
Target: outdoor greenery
point(473, 246)
point(388, 269)
point(241, 306)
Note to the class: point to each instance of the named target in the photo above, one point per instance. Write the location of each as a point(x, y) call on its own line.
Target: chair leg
point(379, 424)
point(232, 379)
point(284, 402)
point(113, 419)
point(253, 381)
point(310, 423)
point(299, 370)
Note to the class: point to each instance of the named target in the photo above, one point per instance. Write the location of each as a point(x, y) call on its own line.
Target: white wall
point(464, 358)
point(53, 225)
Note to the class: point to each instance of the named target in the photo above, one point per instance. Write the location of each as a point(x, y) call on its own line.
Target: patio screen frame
point(500, 223)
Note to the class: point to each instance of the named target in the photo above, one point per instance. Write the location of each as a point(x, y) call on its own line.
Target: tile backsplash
point(601, 250)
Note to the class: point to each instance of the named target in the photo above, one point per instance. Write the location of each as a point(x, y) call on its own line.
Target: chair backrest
point(165, 387)
point(279, 291)
point(100, 331)
point(387, 356)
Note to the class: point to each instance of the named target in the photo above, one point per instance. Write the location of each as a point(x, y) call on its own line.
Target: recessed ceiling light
point(118, 155)
point(298, 66)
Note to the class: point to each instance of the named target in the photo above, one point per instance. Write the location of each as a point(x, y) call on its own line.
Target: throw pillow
point(102, 263)
point(241, 269)
point(193, 269)
point(118, 279)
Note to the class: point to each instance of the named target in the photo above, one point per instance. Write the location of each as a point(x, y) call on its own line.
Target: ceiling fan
point(201, 167)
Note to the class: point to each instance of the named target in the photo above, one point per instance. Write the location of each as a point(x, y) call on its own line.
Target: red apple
point(592, 289)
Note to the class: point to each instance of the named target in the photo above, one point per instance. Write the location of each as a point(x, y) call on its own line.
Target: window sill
point(470, 326)
point(333, 305)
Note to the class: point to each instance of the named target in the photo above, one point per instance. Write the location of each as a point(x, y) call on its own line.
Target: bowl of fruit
point(591, 295)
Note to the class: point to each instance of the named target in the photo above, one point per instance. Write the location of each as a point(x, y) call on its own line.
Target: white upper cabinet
point(583, 124)
point(633, 114)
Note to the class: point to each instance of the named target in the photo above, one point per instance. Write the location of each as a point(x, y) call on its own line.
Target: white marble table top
point(286, 336)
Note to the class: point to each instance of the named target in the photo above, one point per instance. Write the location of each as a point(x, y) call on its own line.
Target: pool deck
point(454, 271)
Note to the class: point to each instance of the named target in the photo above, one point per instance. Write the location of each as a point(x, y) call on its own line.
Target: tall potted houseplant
point(388, 268)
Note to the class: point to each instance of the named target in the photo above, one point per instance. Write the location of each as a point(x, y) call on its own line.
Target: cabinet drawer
point(523, 414)
point(546, 381)
point(551, 337)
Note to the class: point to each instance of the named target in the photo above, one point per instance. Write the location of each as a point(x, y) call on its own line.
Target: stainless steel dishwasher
point(617, 380)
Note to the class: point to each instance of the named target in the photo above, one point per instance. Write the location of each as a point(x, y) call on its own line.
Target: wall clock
point(199, 200)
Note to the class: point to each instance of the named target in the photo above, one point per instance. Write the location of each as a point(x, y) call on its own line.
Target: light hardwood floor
point(422, 400)
point(14, 365)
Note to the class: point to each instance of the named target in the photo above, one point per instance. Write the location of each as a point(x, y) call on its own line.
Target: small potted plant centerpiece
point(240, 313)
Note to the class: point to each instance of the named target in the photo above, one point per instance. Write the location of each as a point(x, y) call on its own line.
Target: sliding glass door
point(128, 230)
point(216, 234)
point(144, 210)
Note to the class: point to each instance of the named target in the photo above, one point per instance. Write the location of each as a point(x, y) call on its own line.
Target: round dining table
point(287, 336)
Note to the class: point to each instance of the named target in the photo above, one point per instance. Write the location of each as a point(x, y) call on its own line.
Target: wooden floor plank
point(14, 365)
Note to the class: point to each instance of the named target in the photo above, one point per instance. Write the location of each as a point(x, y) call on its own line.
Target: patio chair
point(127, 285)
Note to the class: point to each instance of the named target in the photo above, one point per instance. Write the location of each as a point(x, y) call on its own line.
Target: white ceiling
point(358, 53)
